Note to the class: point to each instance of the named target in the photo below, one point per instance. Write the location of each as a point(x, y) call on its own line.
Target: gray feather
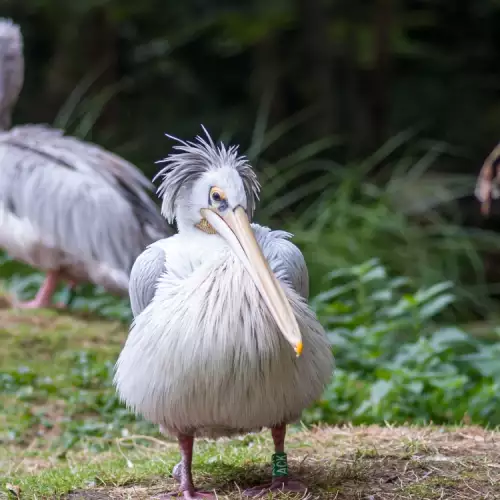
point(285, 259)
point(87, 208)
point(12, 65)
point(144, 276)
point(191, 160)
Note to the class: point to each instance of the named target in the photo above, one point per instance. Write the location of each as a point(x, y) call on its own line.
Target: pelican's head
point(11, 69)
point(213, 189)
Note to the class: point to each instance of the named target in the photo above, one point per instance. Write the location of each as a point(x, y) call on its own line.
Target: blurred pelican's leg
point(44, 295)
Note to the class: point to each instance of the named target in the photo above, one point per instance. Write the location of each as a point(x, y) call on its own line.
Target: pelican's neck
point(186, 224)
point(11, 75)
point(200, 248)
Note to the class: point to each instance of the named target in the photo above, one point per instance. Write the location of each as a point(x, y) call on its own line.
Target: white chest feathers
point(207, 357)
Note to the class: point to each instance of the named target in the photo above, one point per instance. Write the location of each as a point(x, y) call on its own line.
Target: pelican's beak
point(235, 228)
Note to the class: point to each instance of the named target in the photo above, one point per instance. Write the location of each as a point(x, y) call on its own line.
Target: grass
point(63, 434)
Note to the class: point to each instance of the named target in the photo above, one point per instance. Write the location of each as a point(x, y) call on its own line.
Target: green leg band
point(280, 465)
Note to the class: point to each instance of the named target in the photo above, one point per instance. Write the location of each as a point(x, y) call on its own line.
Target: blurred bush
point(395, 363)
point(387, 206)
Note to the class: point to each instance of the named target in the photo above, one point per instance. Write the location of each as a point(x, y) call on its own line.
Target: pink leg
point(44, 295)
point(279, 481)
point(182, 473)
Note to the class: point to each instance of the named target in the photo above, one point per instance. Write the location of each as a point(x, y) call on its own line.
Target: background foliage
point(364, 71)
point(395, 363)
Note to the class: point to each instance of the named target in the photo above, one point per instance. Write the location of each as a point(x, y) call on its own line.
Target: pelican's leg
point(44, 295)
point(182, 473)
point(281, 480)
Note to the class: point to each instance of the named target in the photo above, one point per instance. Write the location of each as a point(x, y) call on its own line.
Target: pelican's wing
point(146, 270)
point(81, 199)
point(285, 259)
point(91, 160)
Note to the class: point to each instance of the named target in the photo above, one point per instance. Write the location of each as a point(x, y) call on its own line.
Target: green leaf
point(435, 306)
point(438, 289)
point(376, 273)
point(448, 336)
point(379, 390)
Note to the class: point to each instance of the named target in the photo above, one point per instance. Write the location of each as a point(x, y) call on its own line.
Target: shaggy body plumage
point(205, 355)
point(241, 374)
point(67, 207)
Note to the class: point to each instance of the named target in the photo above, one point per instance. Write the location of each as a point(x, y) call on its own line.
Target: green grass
point(63, 434)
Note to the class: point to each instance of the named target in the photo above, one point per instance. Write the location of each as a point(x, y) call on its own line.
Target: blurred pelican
point(223, 341)
point(67, 207)
point(488, 181)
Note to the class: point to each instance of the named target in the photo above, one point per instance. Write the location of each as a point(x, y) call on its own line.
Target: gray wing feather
point(285, 259)
point(146, 270)
point(91, 160)
point(89, 202)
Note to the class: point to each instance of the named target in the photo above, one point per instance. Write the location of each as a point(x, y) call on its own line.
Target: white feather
point(206, 357)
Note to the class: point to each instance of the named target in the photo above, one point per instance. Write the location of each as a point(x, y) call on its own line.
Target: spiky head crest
point(191, 160)
point(10, 33)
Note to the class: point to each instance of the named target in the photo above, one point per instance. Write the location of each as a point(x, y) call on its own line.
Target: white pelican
point(67, 207)
point(223, 341)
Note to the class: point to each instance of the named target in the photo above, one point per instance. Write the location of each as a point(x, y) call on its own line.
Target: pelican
point(487, 184)
point(67, 207)
point(223, 341)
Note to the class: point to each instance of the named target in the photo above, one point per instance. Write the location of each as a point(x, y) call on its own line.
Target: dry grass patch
point(369, 463)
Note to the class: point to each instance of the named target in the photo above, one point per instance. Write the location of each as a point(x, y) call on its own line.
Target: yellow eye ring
point(217, 195)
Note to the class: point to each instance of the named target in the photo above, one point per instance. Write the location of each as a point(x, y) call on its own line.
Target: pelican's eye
point(217, 198)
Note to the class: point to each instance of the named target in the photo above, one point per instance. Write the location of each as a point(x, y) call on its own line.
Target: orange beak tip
point(298, 348)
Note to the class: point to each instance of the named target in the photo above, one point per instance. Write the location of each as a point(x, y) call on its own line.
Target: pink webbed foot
point(44, 295)
point(37, 304)
point(31, 304)
point(189, 494)
point(282, 484)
